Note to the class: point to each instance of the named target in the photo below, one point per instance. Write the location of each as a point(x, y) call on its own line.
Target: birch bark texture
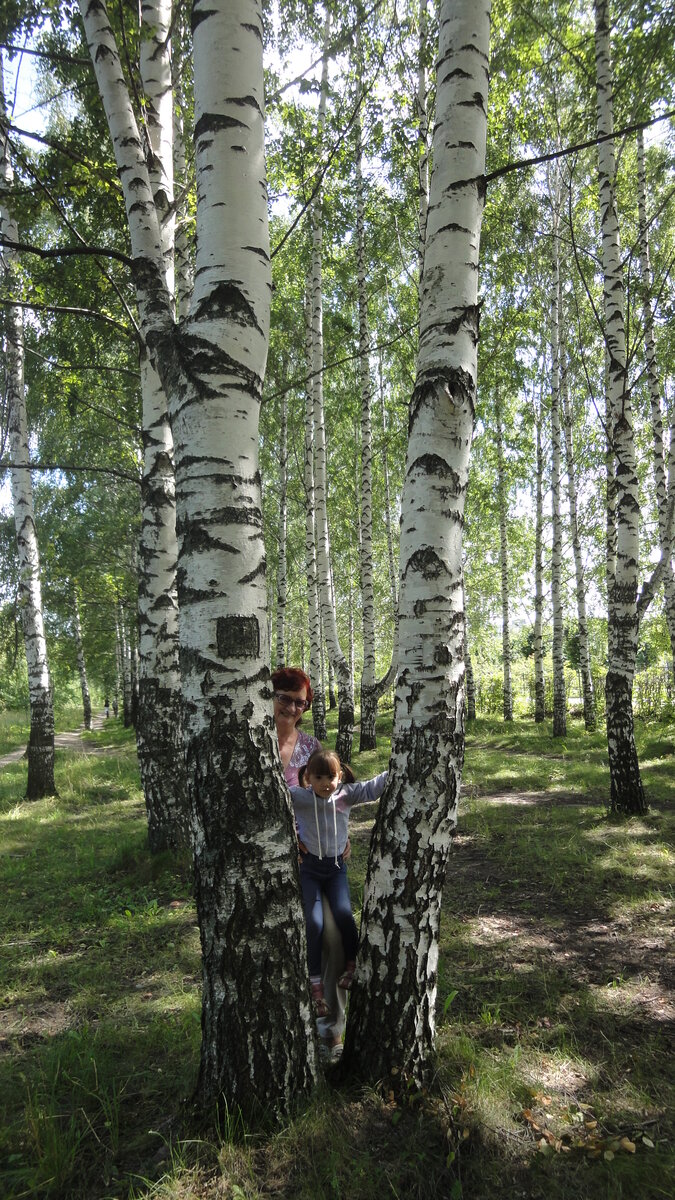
point(664, 492)
point(41, 740)
point(257, 1029)
point(81, 661)
point(391, 1022)
point(626, 790)
point(158, 725)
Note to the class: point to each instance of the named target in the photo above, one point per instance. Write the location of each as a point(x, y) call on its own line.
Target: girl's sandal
point(321, 1008)
point(347, 978)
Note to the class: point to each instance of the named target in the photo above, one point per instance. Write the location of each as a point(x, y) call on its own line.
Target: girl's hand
point(347, 852)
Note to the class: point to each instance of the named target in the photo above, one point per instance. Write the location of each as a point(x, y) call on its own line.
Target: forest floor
point(553, 1070)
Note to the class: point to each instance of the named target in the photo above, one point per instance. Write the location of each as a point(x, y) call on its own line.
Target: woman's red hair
point(293, 678)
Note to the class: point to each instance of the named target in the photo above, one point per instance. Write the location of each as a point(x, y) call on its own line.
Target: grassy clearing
point(551, 1076)
point(15, 726)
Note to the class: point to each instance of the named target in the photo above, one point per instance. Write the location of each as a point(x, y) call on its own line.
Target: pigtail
point(348, 775)
point(301, 775)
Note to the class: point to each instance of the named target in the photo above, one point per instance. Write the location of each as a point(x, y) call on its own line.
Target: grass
point(15, 726)
point(551, 1074)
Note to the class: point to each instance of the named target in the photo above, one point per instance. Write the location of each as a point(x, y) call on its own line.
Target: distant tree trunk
point(422, 137)
point(371, 688)
point(316, 652)
point(539, 687)
point(81, 663)
point(393, 578)
point(332, 702)
point(345, 734)
point(626, 790)
point(283, 530)
point(468, 666)
point(391, 1025)
point(504, 567)
point(663, 491)
point(590, 718)
point(559, 692)
point(41, 740)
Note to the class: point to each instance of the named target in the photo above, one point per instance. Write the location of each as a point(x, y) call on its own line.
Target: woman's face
point(289, 705)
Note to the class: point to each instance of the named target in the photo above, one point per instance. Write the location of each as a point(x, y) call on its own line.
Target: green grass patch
point(552, 1076)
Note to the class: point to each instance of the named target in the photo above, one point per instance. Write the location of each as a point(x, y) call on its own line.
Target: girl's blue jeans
point(320, 876)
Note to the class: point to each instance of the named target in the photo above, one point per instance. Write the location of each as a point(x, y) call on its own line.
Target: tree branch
point(605, 137)
point(40, 466)
point(70, 310)
point(67, 251)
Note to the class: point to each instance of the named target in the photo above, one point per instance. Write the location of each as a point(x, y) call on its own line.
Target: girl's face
point(323, 785)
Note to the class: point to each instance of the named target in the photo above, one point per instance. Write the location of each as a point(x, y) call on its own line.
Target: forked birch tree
point(257, 1045)
point(391, 1023)
point(41, 740)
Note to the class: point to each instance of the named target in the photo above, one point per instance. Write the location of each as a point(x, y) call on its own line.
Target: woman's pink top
point(305, 745)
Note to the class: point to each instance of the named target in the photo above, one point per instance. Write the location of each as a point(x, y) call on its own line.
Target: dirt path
point(65, 741)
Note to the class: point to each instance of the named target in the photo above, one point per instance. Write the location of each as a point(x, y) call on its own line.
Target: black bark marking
point(215, 122)
point(238, 637)
point(227, 301)
point(199, 15)
point(427, 563)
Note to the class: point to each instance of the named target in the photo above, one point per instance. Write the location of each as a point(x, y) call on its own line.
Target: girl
point(322, 804)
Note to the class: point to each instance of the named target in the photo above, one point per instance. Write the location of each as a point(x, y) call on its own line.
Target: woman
point(292, 697)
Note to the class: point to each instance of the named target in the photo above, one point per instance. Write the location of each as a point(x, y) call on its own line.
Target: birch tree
point(158, 724)
point(537, 644)
point(663, 485)
point(41, 740)
point(559, 693)
point(626, 790)
point(81, 662)
point(391, 1023)
point(507, 707)
point(257, 1046)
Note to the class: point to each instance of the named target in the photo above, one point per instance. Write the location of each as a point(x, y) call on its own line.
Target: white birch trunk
point(662, 490)
point(507, 706)
point(559, 693)
point(626, 790)
point(41, 740)
point(257, 1029)
point(590, 719)
point(539, 685)
point(81, 662)
point(391, 1023)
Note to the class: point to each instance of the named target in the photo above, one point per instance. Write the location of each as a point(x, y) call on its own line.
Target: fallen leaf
point(627, 1145)
point(608, 1155)
point(647, 1142)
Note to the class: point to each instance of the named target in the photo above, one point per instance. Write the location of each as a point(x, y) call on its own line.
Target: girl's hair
point(292, 677)
point(326, 762)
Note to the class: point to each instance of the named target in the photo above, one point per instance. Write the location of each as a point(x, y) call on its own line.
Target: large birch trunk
point(626, 790)
point(661, 482)
point(257, 1037)
point(41, 740)
point(391, 1022)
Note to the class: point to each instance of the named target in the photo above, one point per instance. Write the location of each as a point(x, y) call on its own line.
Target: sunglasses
point(290, 701)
